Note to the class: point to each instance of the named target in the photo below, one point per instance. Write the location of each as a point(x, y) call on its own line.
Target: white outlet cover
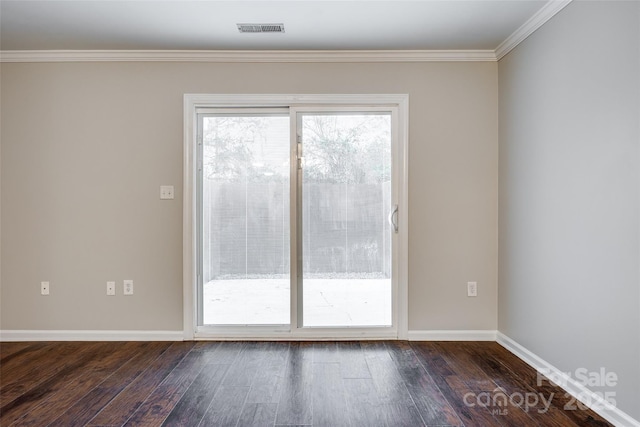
point(111, 288)
point(128, 287)
point(166, 192)
point(472, 289)
point(44, 288)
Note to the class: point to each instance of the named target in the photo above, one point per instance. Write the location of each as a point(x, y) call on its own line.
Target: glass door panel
point(346, 238)
point(244, 217)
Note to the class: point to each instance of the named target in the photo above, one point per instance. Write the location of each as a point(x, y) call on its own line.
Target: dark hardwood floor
point(370, 383)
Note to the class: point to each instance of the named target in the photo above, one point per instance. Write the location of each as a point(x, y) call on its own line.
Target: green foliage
point(352, 149)
point(227, 146)
point(346, 149)
point(238, 148)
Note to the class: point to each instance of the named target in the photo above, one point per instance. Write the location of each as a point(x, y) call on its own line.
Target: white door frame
point(192, 102)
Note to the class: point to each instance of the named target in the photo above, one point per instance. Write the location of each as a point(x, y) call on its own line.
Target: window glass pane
point(245, 220)
point(346, 189)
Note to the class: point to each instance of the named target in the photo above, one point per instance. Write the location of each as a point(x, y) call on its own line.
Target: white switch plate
point(44, 288)
point(128, 287)
point(472, 289)
point(111, 288)
point(166, 192)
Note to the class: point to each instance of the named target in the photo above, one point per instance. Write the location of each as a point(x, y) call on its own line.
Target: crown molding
point(246, 55)
point(548, 11)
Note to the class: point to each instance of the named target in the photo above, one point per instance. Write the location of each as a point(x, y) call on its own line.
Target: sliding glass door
point(244, 216)
point(296, 221)
point(346, 200)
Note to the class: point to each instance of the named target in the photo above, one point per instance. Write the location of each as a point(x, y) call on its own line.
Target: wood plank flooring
point(368, 383)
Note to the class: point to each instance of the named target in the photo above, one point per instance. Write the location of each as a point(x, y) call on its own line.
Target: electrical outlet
point(111, 288)
point(166, 192)
point(44, 288)
point(472, 289)
point(128, 287)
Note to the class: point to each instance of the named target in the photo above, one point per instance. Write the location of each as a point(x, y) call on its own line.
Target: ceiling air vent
point(261, 28)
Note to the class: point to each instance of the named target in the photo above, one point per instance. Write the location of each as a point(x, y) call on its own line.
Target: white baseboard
point(81, 335)
point(452, 335)
point(569, 384)
point(86, 335)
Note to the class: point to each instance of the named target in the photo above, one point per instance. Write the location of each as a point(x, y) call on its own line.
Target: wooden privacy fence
point(246, 229)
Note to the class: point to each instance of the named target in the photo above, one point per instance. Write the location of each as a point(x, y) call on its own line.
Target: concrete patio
point(327, 302)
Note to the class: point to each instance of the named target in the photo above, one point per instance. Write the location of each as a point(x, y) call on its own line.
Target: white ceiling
point(309, 24)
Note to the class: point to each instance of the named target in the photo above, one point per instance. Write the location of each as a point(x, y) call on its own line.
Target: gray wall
point(569, 287)
point(85, 147)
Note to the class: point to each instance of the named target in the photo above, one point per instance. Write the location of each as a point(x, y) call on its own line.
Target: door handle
point(393, 218)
